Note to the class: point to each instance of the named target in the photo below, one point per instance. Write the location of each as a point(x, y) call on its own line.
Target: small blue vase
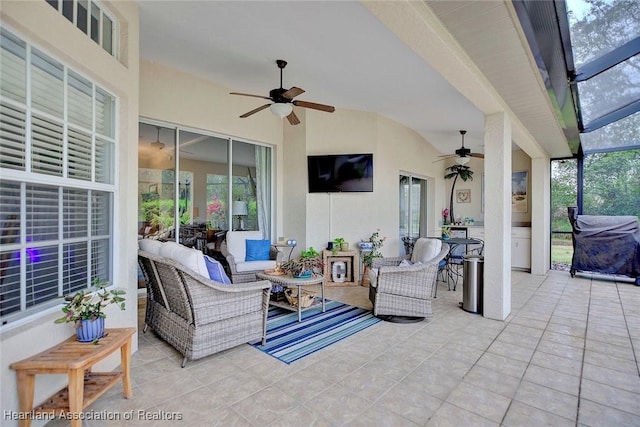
point(90, 330)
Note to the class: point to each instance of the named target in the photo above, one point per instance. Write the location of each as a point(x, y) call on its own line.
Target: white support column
point(497, 217)
point(540, 215)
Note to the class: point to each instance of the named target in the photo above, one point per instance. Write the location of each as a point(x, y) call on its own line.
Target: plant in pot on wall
point(309, 263)
point(457, 171)
point(86, 309)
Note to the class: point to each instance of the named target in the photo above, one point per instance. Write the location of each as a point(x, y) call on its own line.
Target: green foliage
point(309, 253)
point(88, 304)
point(337, 242)
point(378, 242)
point(612, 183)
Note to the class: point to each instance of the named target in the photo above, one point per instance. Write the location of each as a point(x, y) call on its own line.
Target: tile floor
point(567, 355)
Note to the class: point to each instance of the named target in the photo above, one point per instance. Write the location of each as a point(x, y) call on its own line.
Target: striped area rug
point(289, 340)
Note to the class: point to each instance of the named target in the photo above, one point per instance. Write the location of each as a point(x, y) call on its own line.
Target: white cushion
point(189, 257)
point(373, 277)
point(150, 245)
point(237, 246)
point(425, 250)
point(254, 265)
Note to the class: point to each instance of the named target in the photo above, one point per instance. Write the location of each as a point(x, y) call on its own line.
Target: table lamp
point(239, 209)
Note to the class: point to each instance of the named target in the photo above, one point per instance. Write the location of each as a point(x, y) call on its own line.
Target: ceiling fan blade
point(248, 94)
point(478, 155)
point(440, 160)
point(293, 119)
point(292, 93)
point(313, 105)
point(245, 115)
point(448, 155)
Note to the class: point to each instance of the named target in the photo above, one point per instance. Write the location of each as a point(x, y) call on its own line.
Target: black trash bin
point(472, 286)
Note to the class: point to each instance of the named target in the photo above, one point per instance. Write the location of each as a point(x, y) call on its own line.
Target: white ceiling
point(337, 51)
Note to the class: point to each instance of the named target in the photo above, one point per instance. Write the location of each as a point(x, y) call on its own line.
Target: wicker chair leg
point(184, 362)
point(144, 330)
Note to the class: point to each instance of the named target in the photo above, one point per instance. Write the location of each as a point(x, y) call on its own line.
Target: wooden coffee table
point(287, 281)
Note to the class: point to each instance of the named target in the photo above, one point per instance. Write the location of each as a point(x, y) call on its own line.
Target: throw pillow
point(257, 250)
point(405, 263)
point(216, 271)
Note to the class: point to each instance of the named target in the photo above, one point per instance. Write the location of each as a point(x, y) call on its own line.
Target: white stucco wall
point(39, 24)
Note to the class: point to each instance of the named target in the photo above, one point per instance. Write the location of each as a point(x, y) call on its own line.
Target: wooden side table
point(74, 358)
point(352, 261)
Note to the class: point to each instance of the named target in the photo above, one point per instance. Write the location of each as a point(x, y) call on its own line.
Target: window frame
point(25, 178)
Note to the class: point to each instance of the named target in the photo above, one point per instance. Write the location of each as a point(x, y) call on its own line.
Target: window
point(90, 18)
point(413, 208)
point(57, 152)
point(209, 182)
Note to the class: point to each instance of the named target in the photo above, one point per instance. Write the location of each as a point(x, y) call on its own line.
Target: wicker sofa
point(403, 293)
point(198, 316)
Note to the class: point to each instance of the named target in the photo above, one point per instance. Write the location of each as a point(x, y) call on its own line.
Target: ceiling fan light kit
point(462, 160)
point(280, 109)
point(282, 101)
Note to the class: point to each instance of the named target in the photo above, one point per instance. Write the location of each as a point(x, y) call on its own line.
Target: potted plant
point(86, 309)
point(308, 263)
point(371, 250)
point(339, 244)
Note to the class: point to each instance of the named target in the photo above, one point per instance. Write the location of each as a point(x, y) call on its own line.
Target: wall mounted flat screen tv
point(340, 173)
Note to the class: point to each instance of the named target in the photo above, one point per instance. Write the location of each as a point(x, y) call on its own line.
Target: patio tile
point(553, 379)
point(522, 415)
point(548, 400)
point(479, 401)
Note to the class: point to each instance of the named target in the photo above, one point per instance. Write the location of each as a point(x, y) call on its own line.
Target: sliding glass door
point(413, 208)
point(223, 184)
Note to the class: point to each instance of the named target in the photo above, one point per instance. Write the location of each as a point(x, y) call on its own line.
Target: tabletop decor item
point(446, 231)
point(86, 309)
point(304, 266)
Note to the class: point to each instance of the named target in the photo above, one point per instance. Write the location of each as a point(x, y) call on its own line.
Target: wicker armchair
point(234, 251)
point(403, 293)
point(198, 316)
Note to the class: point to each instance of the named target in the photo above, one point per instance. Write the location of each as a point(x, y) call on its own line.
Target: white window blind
point(57, 147)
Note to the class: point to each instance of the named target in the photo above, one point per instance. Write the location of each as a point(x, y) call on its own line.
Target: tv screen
point(340, 173)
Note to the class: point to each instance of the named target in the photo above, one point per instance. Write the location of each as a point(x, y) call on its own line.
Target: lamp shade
point(281, 109)
point(239, 207)
point(462, 160)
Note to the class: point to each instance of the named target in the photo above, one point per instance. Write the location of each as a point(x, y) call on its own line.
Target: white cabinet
point(520, 245)
point(521, 248)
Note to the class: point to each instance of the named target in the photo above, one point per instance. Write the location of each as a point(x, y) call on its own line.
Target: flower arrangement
point(376, 244)
point(215, 212)
point(445, 216)
point(86, 305)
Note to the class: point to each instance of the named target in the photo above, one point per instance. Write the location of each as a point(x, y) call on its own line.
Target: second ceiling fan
point(462, 154)
point(282, 100)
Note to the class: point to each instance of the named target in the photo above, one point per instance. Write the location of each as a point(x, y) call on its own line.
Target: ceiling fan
point(157, 144)
point(462, 154)
point(282, 100)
